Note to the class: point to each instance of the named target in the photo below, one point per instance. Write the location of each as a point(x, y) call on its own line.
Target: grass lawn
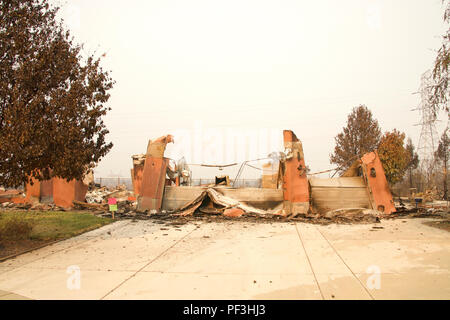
point(23, 230)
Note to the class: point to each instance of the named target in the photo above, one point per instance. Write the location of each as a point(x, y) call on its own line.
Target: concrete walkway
point(404, 259)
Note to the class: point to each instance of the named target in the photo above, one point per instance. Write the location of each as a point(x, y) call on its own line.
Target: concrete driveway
point(404, 259)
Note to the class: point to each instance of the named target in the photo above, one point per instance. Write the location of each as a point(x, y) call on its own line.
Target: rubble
point(90, 206)
point(97, 195)
point(351, 213)
point(429, 195)
point(421, 212)
point(354, 214)
point(409, 206)
point(31, 206)
point(97, 200)
point(14, 196)
point(102, 194)
point(7, 205)
point(121, 194)
point(233, 213)
point(211, 201)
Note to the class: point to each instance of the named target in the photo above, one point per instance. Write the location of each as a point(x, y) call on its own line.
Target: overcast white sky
point(254, 67)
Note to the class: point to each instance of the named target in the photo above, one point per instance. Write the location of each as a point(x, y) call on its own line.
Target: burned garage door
point(264, 199)
point(336, 193)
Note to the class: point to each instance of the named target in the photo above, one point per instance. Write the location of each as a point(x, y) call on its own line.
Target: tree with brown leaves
point(361, 135)
point(393, 155)
point(51, 98)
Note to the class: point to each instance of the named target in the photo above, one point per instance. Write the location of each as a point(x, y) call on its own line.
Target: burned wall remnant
point(65, 192)
point(137, 172)
point(56, 190)
point(370, 170)
point(295, 181)
point(154, 175)
point(377, 184)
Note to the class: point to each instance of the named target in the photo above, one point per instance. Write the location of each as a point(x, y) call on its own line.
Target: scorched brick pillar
point(295, 182)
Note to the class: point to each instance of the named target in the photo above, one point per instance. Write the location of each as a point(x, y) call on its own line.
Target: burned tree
point(52, 99)
point(413, 160)
point(442, 155)
point(361, 135)
point(440, 89)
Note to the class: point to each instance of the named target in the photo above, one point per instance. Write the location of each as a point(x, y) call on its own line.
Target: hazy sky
point(250, 69)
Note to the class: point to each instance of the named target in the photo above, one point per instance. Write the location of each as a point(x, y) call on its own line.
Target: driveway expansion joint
point(147, 264)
